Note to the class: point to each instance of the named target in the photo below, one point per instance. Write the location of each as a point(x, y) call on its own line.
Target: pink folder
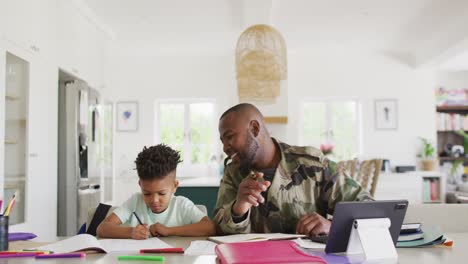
point(283, 251)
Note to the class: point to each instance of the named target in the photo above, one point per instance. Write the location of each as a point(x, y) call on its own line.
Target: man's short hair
point(240, 107)
point(156, 162)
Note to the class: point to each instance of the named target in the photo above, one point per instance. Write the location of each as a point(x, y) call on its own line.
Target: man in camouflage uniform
point(273, 187)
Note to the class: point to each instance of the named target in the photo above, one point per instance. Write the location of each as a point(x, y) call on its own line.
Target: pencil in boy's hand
point(138, 218)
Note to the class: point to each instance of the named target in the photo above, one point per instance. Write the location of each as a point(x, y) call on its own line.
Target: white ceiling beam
point(440, 36)
point(89, 13)
point(440, 57)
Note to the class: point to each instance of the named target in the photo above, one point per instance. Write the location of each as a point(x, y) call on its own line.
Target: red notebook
point(283, 251)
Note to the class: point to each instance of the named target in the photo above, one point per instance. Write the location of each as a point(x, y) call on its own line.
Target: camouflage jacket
point(304, 182)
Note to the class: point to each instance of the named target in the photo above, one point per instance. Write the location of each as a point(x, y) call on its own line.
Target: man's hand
point(313, 224)
point(249, 193)
point(140, 232)
point(159, 230)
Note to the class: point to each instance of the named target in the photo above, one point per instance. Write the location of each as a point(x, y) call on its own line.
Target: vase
point(428, 165)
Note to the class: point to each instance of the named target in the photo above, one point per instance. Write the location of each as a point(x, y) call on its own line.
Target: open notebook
point(85, 242)
point(253, 237)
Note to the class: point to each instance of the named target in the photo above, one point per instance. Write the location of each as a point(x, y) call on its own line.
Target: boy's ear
point(176, 184)
point(139, 182)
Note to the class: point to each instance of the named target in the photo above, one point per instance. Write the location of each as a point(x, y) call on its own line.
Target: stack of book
point(411, 235)
point(410, 232)
point(451, 122)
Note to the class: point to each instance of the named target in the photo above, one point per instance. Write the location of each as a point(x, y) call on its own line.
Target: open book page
point(132, 245)
point(252, 237)
point(83, 242)
point(307, 243)
point(201, 247)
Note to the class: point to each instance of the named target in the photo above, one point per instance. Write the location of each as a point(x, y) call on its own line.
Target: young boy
point(156, 211)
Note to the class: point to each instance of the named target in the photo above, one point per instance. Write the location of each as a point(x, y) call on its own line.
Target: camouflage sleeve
point(337, 187)
point(223, 217)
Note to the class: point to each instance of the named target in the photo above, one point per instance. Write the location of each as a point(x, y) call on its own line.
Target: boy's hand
point(140, 232)
point(159, 230)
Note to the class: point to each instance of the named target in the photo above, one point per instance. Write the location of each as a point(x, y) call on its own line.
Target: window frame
point(187, 169)
point(328, 119)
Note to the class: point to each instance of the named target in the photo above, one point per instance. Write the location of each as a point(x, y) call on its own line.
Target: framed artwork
point(127, 116)
point(386, 114)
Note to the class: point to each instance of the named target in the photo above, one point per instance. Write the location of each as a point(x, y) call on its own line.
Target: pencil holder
point(3, 233)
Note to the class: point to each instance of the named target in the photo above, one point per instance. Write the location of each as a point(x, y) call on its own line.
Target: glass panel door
point(106, 141)
point(16, 136)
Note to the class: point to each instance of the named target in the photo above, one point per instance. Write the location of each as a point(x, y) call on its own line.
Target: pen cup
point(3, 233)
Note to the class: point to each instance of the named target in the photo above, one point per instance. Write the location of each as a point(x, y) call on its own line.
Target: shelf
point(429, 177)
point(11, 97)
point(16, 120)
point(10, 142)
point(449, 131)
point(14, 182)
point(18, 178)
point(435, 201)
point(452, 158)
point(453, 109)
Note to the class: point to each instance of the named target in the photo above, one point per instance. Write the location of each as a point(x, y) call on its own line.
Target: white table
point(431, 255)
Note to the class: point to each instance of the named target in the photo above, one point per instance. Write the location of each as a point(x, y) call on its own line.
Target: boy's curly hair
point(156, 162)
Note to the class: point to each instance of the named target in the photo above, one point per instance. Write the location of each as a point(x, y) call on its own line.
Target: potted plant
point(327, 149)
point(427, 155)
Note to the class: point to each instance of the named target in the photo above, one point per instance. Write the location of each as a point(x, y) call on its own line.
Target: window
point(190, 127)
point(334, 122)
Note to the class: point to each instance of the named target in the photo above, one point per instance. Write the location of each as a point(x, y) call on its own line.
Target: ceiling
point(420, 29)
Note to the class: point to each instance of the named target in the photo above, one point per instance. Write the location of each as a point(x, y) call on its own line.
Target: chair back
point(349, 167)
point(368, 174)
point(95, 217)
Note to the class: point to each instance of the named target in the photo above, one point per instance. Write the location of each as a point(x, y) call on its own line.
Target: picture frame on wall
point(386, 114)
point(127, 116)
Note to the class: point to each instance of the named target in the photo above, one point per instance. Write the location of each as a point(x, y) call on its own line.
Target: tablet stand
point(372, 238)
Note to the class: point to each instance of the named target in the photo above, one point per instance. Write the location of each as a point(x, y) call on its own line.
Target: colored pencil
point(162, 250)
point(64, 255)
point(18, 255)
point(141, 257)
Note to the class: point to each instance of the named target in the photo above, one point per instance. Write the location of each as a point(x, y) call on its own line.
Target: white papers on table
point(201, 247)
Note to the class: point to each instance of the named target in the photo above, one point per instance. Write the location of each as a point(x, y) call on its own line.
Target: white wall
point(316, 74)
point(452, 79)
point(162, 76)
point(368, 76)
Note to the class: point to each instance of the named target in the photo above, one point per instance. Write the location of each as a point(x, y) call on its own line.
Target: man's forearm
point(226, 224)
point(239, 211)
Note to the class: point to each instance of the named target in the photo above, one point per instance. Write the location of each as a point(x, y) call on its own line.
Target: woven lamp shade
point(261, 63)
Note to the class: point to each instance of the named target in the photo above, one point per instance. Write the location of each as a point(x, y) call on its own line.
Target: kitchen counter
point(199, 181)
